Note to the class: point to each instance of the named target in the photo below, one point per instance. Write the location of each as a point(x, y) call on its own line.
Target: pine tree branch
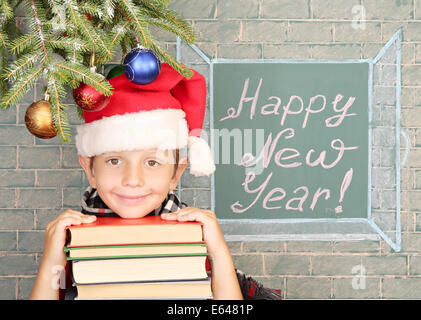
point(6, 9)
point(3, 39)
point(169, 17)
point(22, 43)
point(83, 74)
point(183, 70)
point(138, 24)
point(86, 28)
point(121, 30)
point(40, 32)
point(59, 116)
point(19, 88)
point(20, 67)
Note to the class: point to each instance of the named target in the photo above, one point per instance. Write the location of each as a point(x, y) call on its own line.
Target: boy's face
point(134, 183)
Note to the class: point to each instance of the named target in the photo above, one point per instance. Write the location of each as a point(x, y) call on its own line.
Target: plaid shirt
point(93, 204)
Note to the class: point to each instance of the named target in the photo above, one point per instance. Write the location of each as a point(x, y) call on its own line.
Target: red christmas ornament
point(89, 99)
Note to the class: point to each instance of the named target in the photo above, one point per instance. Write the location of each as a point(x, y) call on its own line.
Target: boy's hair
point(176, 155)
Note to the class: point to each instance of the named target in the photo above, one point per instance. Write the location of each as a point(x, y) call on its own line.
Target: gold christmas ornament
point(39, 120)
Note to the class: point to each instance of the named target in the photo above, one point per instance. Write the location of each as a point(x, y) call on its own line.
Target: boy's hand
point(224, 279)
point(212, 233)
point(55, 234)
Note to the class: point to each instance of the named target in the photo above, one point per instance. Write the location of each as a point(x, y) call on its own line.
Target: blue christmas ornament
point(141, 66)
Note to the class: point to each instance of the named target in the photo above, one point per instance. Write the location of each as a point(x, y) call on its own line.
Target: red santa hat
point(167, 113)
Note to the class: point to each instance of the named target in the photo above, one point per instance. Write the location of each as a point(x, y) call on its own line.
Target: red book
point(119, 231)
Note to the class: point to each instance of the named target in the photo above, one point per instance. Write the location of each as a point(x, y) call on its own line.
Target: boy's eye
point(114, 162)
point(152, 163)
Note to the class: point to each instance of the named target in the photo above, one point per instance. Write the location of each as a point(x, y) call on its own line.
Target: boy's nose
point(133, 177)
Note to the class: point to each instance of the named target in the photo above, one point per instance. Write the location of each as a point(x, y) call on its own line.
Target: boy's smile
point(131, 200)
point(133, 183)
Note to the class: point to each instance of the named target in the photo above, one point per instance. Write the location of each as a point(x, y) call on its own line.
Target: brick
point(246, 9)
point(383, 176)
point(31, 241)
point(264, 31)
point(17, 178)
point(287, 265)
point(13, 264)
point(415, 265)
point(412, 31)
point(417, 174)
point(411, 242)
point(302, 31)
point(59, 178)
point(44, 216)
point(408, 97)
point(8, 241)
point(385, 10)
point(334, 265)
point(39, 198)
point(8, 157)
point(8, 116)
point(277, 283)
point(286, 51)
point(70, 158)
point(401, 288)
point(71, 107)
point(408, 53)
point(411, 75)
point(39, 157)
point(162, 35)
point(190, 181)
point(11, 135)
point(417, 96)
point(417, 53)
point(72, 197)
point(240, 51)
point(384, 96)
point(221, 31)
point(344, 32)
point(309, 246)
point(234, 246)
point(417, 222)
point(385, 265)
point(367, 288)
point(7, 198)
point(308, 288)
point(249, 264)
point(370, 50)
point(14, 219)
point(196, 198)
point(264, 246)
point(389, 28)
point(25, 286)
point(8, 289)
point(285, 9)
point(357, 246)
point(189, 9)
point(414, 159)
point(417, 9)
point(336, 51)
point(342, 9)
point(410, 117)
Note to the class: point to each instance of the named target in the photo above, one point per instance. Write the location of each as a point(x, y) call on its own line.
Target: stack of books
point(145, 258)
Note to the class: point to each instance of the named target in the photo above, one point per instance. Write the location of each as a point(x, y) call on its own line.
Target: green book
point(136, 251)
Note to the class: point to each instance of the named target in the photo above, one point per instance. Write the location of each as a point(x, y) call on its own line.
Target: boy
point(129, 153)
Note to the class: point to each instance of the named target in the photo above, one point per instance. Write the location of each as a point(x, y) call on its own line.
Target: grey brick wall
point(40, 178)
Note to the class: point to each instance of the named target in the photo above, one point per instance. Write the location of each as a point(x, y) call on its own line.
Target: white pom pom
point(200, 157)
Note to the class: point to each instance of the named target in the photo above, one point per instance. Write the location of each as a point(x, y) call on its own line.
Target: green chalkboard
point(291, 140)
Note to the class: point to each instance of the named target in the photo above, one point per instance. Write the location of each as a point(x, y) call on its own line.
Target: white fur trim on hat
point(160, 128)
point(200, 157)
